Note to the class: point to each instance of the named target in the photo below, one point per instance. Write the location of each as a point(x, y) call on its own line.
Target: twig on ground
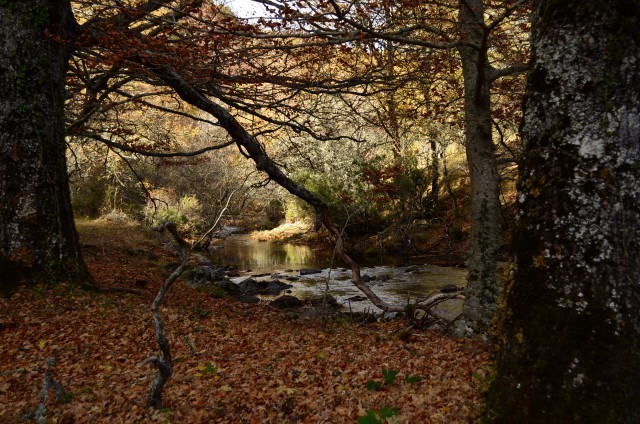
point(192, 349)
point(105, 289)
point(48, 384)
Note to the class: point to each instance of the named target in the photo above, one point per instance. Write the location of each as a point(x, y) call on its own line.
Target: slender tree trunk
point(38, 240)
point(569, 341)
point(434, 194)
point(482, 287)
point(430, 201)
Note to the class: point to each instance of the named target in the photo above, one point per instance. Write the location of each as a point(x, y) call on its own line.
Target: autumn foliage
point(233, 362)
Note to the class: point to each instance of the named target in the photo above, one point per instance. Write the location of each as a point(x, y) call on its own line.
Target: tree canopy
point(362, 109)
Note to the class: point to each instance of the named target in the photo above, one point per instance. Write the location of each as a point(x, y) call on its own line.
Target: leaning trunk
point(482, 288)
point(569, 343)
point(38, 240)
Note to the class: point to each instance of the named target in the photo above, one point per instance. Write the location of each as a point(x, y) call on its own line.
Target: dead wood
point(164, 362)
point(111, 289)
point(48, 384)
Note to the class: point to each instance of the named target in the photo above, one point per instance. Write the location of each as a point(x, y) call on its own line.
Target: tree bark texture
point(568, 343)
point(481, 294)
point(38, 240)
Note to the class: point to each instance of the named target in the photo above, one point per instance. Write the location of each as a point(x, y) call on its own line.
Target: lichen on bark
point(568, 349)
point(482, 290)
point(38, 240)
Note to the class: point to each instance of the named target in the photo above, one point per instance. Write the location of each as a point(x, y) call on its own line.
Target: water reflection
point(391, 282)
point(245, 253)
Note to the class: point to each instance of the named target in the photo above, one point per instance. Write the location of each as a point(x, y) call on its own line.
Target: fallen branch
point(433, 300)
point(431, 316)
point(192, 349)
point(48, 384)
point(164, 362)
point(105, 289)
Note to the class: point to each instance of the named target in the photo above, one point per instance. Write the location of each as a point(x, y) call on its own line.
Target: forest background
point(371, 145)
point(380, 140)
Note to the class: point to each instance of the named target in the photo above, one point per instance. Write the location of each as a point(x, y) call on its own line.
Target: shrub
point(184, 212)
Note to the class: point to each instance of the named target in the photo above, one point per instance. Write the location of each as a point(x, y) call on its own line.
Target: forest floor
point(234, 363)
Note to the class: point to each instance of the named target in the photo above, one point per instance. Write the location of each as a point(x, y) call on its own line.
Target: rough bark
point(569, 341)
point(38, 240)
point(482, 291)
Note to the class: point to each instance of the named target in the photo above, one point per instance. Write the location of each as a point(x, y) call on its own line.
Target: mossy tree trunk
point(38, 240)
point(568, 342)
point(482, 287)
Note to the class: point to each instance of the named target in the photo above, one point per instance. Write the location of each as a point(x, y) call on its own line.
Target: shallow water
point(254, 258)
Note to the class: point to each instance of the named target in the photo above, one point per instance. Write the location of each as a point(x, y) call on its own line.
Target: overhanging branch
point(141, 152)
point(265, 163)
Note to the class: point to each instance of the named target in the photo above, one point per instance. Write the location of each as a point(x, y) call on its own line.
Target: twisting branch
point(141, 152)
point(513, 158)
point(264, 163)
point(215, 224)
point(164, 362)
point(132, 169)
point(333, 257)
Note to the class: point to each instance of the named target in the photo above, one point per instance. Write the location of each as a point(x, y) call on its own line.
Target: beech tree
point(38, 240)
point(569, 336)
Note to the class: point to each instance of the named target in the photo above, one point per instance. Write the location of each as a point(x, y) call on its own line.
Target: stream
point(393, 278)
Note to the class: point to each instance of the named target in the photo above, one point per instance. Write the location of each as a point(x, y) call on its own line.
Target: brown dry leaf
point(267, 367)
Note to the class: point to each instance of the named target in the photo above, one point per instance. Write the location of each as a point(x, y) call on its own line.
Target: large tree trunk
point(38, 240)
point(482, 287)
point(569, 345)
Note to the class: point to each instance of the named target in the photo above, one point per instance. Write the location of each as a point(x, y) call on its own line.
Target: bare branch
point(506, 13)
point(517, 68)
point(48, 384)
point(125, 148)
point(164, 362)
point(220, 215)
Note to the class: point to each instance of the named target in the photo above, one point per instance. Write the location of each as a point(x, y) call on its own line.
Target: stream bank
point(312, 272)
